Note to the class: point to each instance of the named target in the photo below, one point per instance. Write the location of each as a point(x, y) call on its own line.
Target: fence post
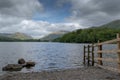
point(100, 54)
point(92, 54)
point(84, 60)
point(118, 36)
point(88, 55)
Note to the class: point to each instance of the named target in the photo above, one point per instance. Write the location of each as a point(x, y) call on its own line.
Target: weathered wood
point(89, 51)
point(108, 59)
point(84, 56)
point(109, 68)
point(92, 55)
point(100, 54)
point(108, 51)
point(88, 55)
point(108, 42)
point(90, 46)
point(118, 43)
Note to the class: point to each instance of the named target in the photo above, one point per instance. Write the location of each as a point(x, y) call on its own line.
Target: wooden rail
point(108, 51)
point(89, 52)
point(108, 59)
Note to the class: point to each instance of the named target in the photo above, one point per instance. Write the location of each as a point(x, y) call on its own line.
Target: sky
point(41, 17)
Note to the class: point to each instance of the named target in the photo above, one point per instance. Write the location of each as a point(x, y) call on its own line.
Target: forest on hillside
point(89, 35)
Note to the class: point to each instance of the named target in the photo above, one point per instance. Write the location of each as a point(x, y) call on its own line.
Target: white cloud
point(94, 12)
point(39, 28)
point(16, 15)
point(20, 8)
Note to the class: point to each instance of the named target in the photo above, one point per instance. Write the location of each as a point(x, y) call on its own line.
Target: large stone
point(21, 61)
point(12, 67)
point(30, 64)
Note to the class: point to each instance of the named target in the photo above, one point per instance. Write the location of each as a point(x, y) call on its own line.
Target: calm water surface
point(48, 56)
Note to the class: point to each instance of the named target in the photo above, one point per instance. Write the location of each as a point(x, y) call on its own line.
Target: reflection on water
point(48, 56)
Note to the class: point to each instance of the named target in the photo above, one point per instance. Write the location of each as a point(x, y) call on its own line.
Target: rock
point(12, 67)
point(30, 64)
point(21, 61)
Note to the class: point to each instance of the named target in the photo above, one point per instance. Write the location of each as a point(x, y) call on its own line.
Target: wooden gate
point(89, 52)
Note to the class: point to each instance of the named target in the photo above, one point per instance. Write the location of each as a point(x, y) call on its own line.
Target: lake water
point(48, 56)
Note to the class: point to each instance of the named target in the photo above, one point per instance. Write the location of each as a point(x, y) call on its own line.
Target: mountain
point(53, 35)
point(20, 36)
point(113, 24)
point(16, 36)
point(93, 34)
point(5, 35)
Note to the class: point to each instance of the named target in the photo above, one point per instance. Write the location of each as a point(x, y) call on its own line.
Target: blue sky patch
point(52, 12)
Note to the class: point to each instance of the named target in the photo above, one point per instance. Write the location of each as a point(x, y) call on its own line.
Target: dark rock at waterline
point(12, 67)
point(21, 61)
point(17, 67)
point(29, 64)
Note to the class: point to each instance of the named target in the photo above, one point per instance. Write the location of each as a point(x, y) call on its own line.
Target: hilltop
point(113, 24)
point(93, 34)
point(14, 36)
point(53, 35)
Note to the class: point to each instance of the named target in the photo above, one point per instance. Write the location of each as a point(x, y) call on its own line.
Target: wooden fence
point(89, 54)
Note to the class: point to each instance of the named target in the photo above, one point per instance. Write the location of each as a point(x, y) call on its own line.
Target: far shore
point(86, 73)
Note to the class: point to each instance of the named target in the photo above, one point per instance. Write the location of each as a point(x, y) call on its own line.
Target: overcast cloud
point(94, 12)
point(17, 15)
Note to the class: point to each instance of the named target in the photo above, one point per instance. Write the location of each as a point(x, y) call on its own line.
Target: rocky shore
point(88, 73)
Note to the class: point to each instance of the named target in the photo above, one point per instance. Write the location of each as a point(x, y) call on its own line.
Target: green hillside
point(20, 36)
point(113, 24)
point(14, 36)
point(93, 34)
point(53, 35)
point(2, 38)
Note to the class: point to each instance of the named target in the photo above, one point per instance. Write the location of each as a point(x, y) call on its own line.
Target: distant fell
point(92, 34)
point(21, 36)
point(54, 35)
point(113, 24)
point(17, 36)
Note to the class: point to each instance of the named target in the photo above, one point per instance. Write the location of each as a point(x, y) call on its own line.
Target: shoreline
point(86, 73)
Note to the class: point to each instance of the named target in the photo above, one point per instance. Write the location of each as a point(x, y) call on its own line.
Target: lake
point(47, 55)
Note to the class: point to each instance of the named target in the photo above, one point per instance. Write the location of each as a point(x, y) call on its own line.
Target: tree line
point(89, 35)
